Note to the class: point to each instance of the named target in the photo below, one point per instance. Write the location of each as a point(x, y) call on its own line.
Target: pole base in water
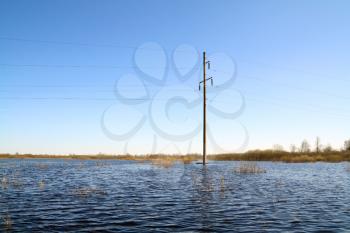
point(201, 163)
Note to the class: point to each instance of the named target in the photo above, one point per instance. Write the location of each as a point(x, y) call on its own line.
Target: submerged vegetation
point(14, 182)
point(85, 192)
point(247, 167)
point(7, 222)
point(41, 184)
point(4, 182)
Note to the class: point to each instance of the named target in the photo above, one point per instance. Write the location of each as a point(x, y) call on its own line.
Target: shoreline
point(266, 155)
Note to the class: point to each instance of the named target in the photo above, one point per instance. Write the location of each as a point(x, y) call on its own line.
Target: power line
point(137, 86)
point(293, 69)
point(85, 44)
point(66, 43)
point(56, 98)
point(298, 87)
point(288, 104)
point(304, 103)
point(88, 66)
point(154, 99)
point(133, 67)
point(288, 85)
point(107, 91)
point(84, 87)
point(77, 98)
point(320, 92)
point(77, 85)
point(284, 106)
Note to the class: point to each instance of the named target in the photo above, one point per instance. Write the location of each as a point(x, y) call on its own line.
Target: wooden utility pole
point(203, 82)
point(204, 111)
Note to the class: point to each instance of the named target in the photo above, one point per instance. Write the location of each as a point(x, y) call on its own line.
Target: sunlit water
point(123, 196)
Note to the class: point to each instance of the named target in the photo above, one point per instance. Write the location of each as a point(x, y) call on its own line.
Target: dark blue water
point(123, 196)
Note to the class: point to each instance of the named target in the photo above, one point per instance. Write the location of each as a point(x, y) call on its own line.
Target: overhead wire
point(86, 44)
point(133, 67)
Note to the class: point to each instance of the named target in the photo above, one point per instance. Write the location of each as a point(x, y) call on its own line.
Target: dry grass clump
point(168, 161)
point(42, 166)
point(88, 191)
point(4, 182)
point(164, 163)
point(41, 184)
point(101, 164)
point(222, 184)
point(188, 160)
point(249, 168)
point(7, 222)
point(80, 166)
point(14, 182)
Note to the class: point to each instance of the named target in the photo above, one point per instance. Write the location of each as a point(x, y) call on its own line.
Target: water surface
point(40, 195)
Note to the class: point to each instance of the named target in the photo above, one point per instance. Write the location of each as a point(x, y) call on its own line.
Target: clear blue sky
point(60, 60)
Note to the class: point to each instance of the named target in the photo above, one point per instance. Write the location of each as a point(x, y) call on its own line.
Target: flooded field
point(41, 195)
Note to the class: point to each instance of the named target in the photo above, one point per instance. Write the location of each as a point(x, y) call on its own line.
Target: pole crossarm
point(211, 78)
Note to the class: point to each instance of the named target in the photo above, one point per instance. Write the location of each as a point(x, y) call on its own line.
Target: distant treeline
point(284, 156)
point(304, 153)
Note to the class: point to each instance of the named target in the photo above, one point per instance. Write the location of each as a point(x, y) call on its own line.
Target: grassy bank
point(258, 155)
point(283, 156)
point(155, 158)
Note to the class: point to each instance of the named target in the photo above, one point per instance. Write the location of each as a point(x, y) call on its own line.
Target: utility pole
point(205, 62)
point(204, 112)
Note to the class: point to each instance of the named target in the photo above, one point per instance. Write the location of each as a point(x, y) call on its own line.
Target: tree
point(318, 145)
point(293, 148)
point(277, 147)
point(305, 147)
point(328, 148)
point(347, 145)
